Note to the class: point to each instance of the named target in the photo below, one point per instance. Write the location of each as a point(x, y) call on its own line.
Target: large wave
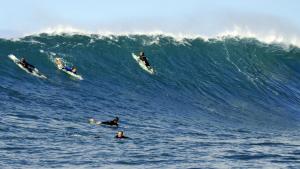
point(231, 80)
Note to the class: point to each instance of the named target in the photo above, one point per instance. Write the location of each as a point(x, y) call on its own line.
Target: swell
point(234, 79)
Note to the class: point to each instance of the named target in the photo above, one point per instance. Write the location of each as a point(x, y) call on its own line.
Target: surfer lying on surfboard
point(71, 69)
point(63, 66)
point(114, 122)
point(26, 65)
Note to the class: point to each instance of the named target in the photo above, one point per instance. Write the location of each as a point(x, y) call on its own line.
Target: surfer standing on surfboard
point(143, 58)
point(26, 65)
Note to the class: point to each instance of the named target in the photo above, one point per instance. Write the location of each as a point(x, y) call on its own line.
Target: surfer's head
point(22, 60)
point(120, 134)
point(142, 54)
point(116, 120)
point(74, 69)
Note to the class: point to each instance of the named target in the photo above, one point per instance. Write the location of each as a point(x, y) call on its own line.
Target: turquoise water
point(217, 103)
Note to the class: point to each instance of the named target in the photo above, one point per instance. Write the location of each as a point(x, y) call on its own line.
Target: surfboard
point(34, 72)
point(93, 121)
point(60, 65)
point(142, 64)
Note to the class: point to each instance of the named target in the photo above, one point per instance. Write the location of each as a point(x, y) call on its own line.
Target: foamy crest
point(271, 36)
point(61, 29)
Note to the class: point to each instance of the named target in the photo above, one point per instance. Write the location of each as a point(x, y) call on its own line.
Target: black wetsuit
point(143, 58)
point(28, 66)
point(111, 123)
point(122, 137)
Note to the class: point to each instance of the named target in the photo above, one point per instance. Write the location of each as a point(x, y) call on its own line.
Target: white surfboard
point(34, 72)
point(60, 65)
point(142, 64)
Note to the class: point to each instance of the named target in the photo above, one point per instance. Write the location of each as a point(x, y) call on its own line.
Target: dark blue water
point(229, 103)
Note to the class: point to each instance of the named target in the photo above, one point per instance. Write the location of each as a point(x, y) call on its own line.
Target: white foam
point(272, 36)
point(59, 30)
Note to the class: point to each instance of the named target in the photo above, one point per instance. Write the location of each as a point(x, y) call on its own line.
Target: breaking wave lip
point(242, 32)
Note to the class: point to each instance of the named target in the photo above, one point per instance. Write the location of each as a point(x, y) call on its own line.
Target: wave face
point(235, 96)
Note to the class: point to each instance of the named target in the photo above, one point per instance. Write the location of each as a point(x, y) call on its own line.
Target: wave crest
point(269, 37)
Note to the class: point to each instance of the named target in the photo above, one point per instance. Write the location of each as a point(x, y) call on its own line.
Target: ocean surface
point(227, 102)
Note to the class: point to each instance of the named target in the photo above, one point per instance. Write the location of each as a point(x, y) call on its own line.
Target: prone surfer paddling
point(71, 69)
point(63, 66)
point(114, 122)
point(143, 58)
point(26, 65)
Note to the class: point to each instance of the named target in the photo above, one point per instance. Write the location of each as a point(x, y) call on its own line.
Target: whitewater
point(213, 102)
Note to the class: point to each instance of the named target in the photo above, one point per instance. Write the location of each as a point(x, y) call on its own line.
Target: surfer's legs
point(30, 69)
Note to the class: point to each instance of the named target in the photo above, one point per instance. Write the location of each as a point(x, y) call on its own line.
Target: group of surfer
point(73, 69)
point(61, 65)
point(114, 122)
point(30, 67)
